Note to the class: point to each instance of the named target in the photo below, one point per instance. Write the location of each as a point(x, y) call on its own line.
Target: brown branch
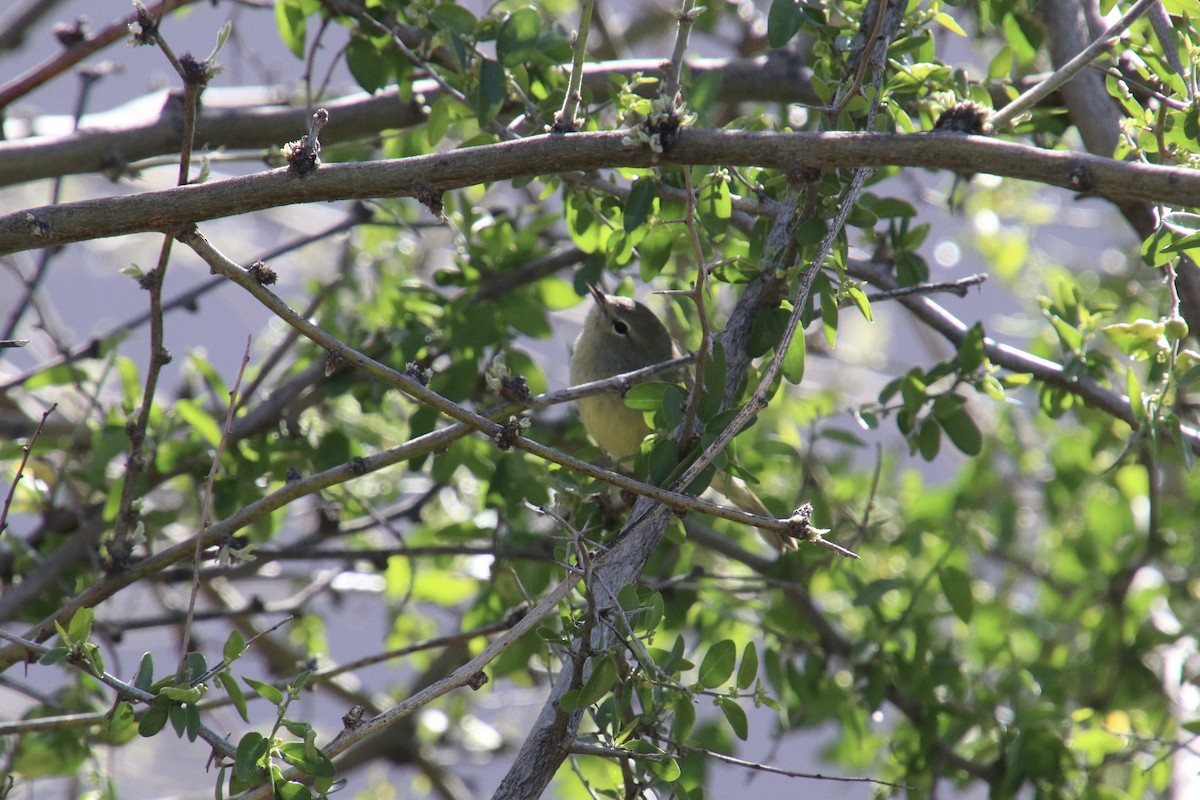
point(16, 23)
point(60, 63)
point(231, 121)
point(1048, 372)
point(419, 176)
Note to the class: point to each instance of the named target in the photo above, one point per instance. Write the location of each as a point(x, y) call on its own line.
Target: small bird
point(621, 335)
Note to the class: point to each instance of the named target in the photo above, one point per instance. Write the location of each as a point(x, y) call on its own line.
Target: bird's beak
point(597, 295)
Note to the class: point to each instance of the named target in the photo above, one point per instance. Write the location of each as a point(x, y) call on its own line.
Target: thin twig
point(127, 520)
point(754, 765)
point(957, 287)
point(125, 690)
point(88, 80)
point(686, 18)
point(187, 300)
point(469, 674)
point(697, 294)
point(1007, 115)
point(69, 57)
point(25, 451)
point(566, 121)
point(206, 506)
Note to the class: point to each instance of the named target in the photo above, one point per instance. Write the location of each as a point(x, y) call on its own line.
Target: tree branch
point(428, 175)
point(236, 120)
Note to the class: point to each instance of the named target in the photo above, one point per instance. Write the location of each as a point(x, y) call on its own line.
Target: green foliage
point(1008, 623)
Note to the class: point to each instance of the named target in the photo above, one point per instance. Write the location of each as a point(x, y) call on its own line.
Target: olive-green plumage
point(619, 335)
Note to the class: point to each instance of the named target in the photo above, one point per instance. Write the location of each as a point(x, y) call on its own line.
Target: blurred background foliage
point(1018, 622)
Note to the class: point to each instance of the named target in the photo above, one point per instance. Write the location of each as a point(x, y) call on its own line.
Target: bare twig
point(1005, 116)
point(566, 121)
point(686, 18)
point(697, 294)
point(206, 510)
point(194, 77)
point(25, 451)
point(758, 767)
point(60, 63)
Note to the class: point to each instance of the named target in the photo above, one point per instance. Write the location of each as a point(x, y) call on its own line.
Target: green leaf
point(793, 360)
point(292, 25)
point(640, 202)
point(647, 396)
point(599, 683)
point(307, 759)
point(265, 690)
point(748, 669)
point(684, 718)
point(191, 412)
point(859, 298)
point(956, 585)
point(951, 414)
point(438, 121)
point(655, 251)
point(970, 352)
point(829, 315)
point(929, 439)
point(370, 69)
point(948, 22)
point(665, 770)
point(735, 716)
point(153, 721)
point(230, 685)
point(145, 674)
point(783, 22)
point(454, 18)
point(195, 666)
point(250, 750)
point(1000, 67)
point(80, 628)
point(490, 94)
point(54, 655)
point(235, 645)
point(716, 201)
point(518, 39)
point(184, 694)
point(1137, 403)
point(718, 664)
point(291, 790)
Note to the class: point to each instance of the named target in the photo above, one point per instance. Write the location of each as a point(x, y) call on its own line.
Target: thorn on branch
point(195, 73)
point(421, 375)
point(353, 718)
point(304, 155)
point(333, 361)
point(510, 433)
point(512, 388)
point(800, 528)
point(71, 35)
point(432, 199)
point(964, 117)
point(1081, 177)
point(262, 274)
point(38, 227)
point(144, 29)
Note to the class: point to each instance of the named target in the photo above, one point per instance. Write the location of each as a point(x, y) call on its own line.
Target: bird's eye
point(620, 327)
